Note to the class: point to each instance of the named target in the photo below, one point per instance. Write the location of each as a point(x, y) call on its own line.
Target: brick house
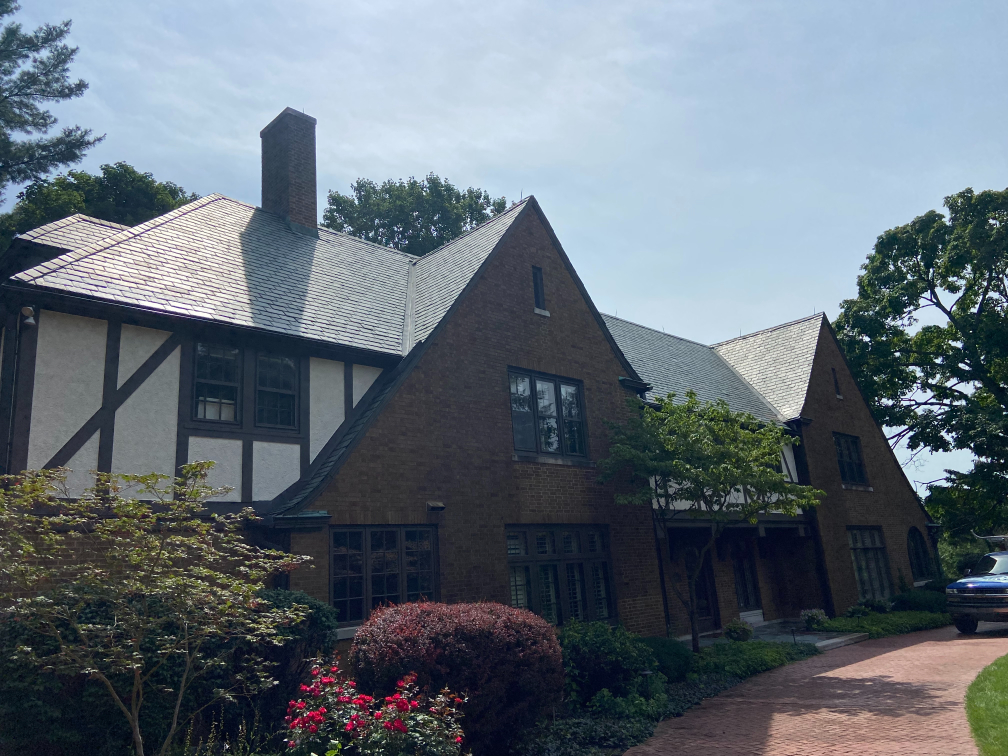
point(423, 427)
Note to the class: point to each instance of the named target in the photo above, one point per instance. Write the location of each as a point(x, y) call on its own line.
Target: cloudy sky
point(710, 167)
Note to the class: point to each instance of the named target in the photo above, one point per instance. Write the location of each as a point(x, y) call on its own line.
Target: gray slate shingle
point(73, 232)
point(777, 361)
point(675, 365)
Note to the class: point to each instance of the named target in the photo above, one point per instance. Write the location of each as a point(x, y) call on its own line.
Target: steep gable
point(777, 361)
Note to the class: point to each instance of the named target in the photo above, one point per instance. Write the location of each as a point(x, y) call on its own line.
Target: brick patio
point(900, 695)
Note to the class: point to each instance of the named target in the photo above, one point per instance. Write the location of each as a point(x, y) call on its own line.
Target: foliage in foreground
point(987, 708)
point(332, 715)
point(506, 660)
point(701, 460)
point(140, 596)
point(744, 660)
point(882, 625)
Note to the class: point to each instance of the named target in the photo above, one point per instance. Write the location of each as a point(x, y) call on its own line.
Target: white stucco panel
point(145, 426)
point(227, 453)
point(81, 466)
point(363, 377)
point(326, 402)
point(274, 468)
point(136, 344)
point(69, 373)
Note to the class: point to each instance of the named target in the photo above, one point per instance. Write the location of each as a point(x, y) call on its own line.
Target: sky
point(711, 167)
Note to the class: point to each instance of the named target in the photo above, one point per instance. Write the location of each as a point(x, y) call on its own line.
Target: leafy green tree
point(927, 339)
point(34, 70)
point(142, 596)
point(412, 216)
point(120, 194)
point(694, 460)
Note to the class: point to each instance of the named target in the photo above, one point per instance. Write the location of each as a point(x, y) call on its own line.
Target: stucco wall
point(274, 467)
point(363, 377)
point(69, 374)
point(326, 401)
point(227, 454)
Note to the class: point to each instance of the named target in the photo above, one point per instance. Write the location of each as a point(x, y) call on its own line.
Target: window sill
point(855, 487)
point(345, 633)
point(544, 313)
point(542, 458)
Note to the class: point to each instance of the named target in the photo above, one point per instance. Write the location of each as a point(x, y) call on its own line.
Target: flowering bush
point(813, 618)
point(738, 630)
point(507, 660)
point(332, 715)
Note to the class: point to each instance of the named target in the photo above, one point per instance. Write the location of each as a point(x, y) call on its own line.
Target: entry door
point(746, 582)
point(706, 593)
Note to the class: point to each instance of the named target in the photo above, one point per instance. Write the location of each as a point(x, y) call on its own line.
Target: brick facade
point(446, 435)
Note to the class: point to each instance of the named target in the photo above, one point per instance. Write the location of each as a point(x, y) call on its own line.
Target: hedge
point(882, 625)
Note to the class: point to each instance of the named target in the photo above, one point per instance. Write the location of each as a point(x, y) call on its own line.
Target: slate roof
point(73, 232)
point(777, 361)
point(675, 365)
point(221, 260)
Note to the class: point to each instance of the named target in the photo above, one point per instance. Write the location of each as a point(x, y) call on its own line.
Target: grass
point(891, 623)
point(987, 708)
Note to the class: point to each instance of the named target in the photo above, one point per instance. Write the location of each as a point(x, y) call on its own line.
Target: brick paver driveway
point(900, 695)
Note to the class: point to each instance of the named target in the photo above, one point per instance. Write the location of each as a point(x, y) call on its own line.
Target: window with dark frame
point(547, 414)
point(560, 572)
point(921, 564)
point(276, 391)
point(848, 449)
point(871, 563)
point(836, 385)
point(537, 288)
point(379, 565)
point(217, 384)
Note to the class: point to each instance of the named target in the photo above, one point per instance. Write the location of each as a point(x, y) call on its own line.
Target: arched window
point(920, 556)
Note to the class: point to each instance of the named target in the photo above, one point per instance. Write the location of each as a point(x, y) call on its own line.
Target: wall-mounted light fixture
point(29, 315)
point(435, 506)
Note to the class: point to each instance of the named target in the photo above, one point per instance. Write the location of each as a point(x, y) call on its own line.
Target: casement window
point(921, 564)
point(871, 563)
point(372, 566)
point(218, 383)
point(276, 391)
point(561, 572)
point(848, 451)
point(547, 414)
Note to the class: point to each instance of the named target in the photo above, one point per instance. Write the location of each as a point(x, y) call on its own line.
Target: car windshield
point(991, 565)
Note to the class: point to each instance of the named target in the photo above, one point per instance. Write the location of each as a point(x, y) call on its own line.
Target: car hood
point(981, 581)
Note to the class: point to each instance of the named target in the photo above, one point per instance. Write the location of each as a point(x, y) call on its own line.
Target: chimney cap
point(286, 112)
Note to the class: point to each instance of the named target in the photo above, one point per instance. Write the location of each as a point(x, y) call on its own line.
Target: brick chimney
point(288, 170)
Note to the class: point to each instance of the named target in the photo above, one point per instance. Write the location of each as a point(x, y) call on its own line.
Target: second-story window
point(276, 391)
point(218, 382)
point(538, 292)
point(848, 450)
point(547, 414)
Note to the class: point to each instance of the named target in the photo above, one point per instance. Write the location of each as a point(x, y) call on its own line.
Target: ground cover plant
point(987, 708)
point(891, 623)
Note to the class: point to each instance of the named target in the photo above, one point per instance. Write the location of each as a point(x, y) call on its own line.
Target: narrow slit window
point(537, 288)
point(836, 385)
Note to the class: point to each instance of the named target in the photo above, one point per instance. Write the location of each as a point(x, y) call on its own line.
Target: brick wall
point(891, 504)
point(446, 435)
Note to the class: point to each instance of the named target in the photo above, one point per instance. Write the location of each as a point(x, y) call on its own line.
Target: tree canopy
point(120, 193)
point(35, 70)
point(415, 216)
point(702, 461)
point(927, 339)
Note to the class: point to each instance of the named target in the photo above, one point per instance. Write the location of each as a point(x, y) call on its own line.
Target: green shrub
point(744, 660)
point(605, 705)
point(879, 606)
point(857, 611)
point(919, 600)
point(737, 630)
point(597, 655)
point(813, 618)
point(937, 585)
point(674, 659)
point(583, 736)
point(893, 623)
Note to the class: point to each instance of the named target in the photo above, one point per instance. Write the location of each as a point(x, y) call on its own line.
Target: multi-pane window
point(218, 382)
point(276, 391)
point(380, 565)
point(848, 452)
point(560, 572)
point(871, 564)
point(921, 564)
point(547, 414)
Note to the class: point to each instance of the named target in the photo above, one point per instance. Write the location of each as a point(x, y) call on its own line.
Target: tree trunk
point(661, 573)
point(694, 626)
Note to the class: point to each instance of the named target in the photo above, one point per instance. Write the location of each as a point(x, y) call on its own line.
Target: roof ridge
point(655, 330)
point(384, 248)
point(97, 221)
point(819, 315)
point(487, 222)
point(128, 232)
